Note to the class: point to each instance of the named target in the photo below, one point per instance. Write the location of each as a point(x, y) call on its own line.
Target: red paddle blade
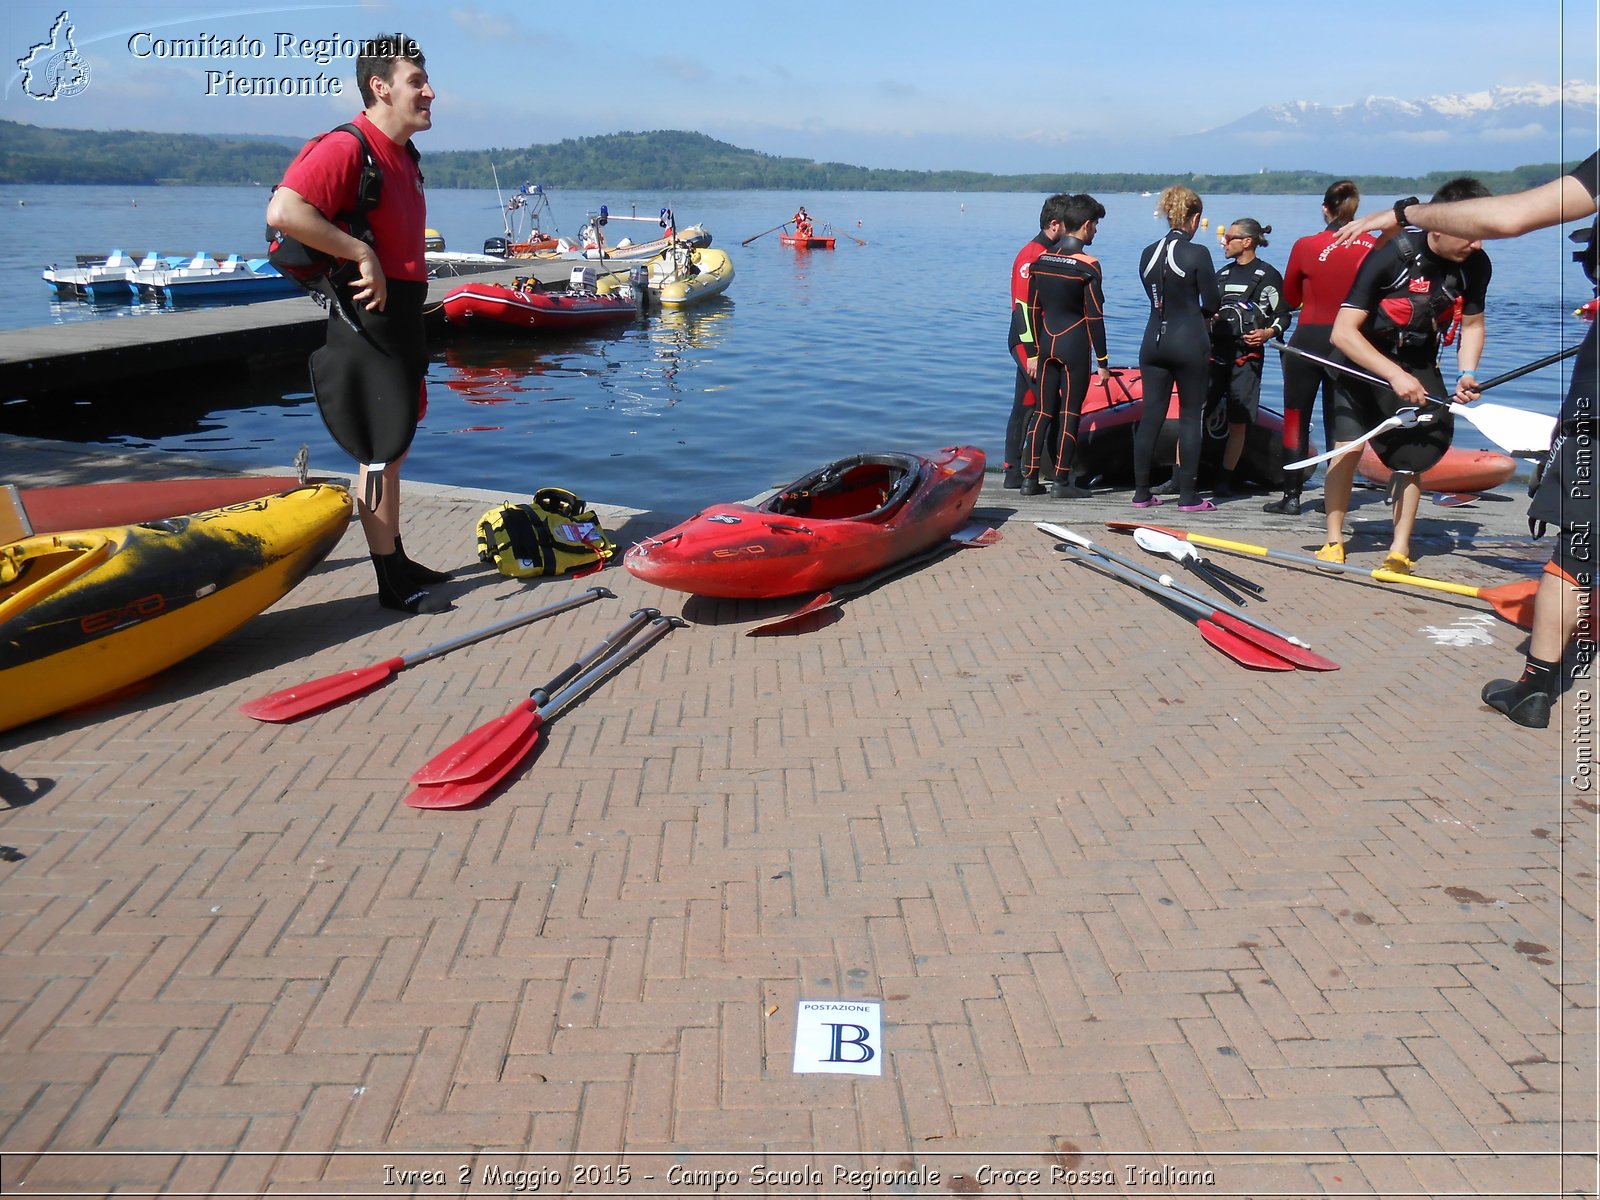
point(306, 698)
point(791, 621)
point(460, 793)
point(1299, 656)
point(1240, 650)
point(480, 750)
point(1514, 601)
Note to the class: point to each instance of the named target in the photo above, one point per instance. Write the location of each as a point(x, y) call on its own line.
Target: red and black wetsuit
point(1020, 344)
point(1066, 310)
point(1181, 285)
point(1566, 495)
point(1316, 281)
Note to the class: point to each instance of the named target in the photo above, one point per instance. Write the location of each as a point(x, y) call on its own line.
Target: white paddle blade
point(1515, 430)
point(1065, 534)
point(1157, 542)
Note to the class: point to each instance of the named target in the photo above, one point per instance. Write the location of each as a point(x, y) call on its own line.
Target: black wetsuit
point(1181, 285)
point(1066, 306)
point(1236, 366)
point(1566, 494)
point(1414, 301)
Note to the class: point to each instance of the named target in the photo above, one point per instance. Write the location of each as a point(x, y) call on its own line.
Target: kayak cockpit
point(866, 487)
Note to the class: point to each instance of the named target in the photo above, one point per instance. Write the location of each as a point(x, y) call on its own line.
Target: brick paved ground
point(1124, 902)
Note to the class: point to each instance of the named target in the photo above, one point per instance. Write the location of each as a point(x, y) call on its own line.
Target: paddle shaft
point(1241, 650)
point(1465, 411)
point(836, 229)
point(499, 627)
point(1198, 598)
point(459, 793)
point(1307, 560)
point(763, 233)
point(1539, 365)
point(637, 620)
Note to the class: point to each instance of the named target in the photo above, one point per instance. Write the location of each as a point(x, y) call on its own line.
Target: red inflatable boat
point(1458, 471)
point(1111, 417)
point(476, 305)
point(25, 512)
point(838, 524)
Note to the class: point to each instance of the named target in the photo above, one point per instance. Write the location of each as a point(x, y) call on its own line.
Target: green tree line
point(659, 161)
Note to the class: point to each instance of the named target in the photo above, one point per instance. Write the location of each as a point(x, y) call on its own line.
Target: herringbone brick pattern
point(1124, 901)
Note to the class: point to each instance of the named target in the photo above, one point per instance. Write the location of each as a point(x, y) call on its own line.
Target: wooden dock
point(65, 361)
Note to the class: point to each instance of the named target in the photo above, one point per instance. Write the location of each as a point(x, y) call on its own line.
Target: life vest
point(1415, 315)
point(558, 532)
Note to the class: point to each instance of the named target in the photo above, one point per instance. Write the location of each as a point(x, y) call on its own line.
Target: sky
point(1110, 86)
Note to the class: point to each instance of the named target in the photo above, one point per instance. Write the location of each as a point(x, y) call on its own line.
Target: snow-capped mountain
point(1501, 127)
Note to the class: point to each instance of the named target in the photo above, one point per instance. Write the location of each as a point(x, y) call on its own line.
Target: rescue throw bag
point(558, 532)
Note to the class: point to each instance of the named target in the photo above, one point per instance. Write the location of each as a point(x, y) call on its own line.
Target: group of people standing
point(1379, 295)
point(1205, 340)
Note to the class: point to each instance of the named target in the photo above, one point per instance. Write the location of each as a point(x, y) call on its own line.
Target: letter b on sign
point(850, 1043)
point(841, 1037)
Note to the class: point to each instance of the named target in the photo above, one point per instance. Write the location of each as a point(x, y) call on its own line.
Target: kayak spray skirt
point(369, 377)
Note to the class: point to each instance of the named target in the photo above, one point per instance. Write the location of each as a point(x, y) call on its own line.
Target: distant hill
point(661, 161)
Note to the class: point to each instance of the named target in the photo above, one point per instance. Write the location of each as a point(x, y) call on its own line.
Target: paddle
point(1235, 647)
point(307, 698)
point(764, 233)
point(466, 757)
point(1264, 636)
point(1515, 430)
point(1536, 365)
point(851, 236)
point(1189, 558)
point(1512, 601)
point(492, 765)
point(975, 534)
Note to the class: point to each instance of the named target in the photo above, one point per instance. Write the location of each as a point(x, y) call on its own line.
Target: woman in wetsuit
point(1066, 307)
point(1181, 285)
point(1316, 281)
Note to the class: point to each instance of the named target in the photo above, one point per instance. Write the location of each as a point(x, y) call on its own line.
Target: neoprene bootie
point(418, 574)
point(1523, 701)
point(1288, 506)
point(396, 591)
point(1031, 485)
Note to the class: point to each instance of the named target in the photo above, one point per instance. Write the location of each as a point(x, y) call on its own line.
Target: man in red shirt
point(369, 377)
point(1021, 341)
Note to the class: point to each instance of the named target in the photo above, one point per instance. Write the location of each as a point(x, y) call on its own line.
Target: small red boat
point(835, 525)
point(1459, 470)
point(494, 304)
point(1111, 417)
point(25, 512)
point(806, 241)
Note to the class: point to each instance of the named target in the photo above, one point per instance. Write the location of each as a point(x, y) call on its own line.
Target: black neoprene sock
point(397, 591)
point(417, 573)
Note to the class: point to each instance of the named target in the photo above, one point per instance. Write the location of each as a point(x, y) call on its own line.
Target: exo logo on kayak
point(740, 552)
point(724, 519)
point(128, 614)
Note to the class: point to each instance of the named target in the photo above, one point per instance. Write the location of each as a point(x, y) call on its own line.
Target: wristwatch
point(1400, 207)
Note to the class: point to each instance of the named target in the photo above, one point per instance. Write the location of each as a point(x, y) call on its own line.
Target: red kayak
point(25, 512)
point(1111, 416)
point(1458, 471)
point(475, 305)
point(838, 524)
point(806, 241)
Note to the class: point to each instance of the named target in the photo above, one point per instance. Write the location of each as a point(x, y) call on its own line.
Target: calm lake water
point(898, 344)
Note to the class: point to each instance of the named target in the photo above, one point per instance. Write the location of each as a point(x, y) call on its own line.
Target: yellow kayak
point(85, 613)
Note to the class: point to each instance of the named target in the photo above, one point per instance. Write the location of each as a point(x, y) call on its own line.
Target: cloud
point(896, 89)
point(490, 27)
point(685, 70)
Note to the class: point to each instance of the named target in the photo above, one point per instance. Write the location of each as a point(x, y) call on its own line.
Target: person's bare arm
point(291, 212)
point(1554, 203)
